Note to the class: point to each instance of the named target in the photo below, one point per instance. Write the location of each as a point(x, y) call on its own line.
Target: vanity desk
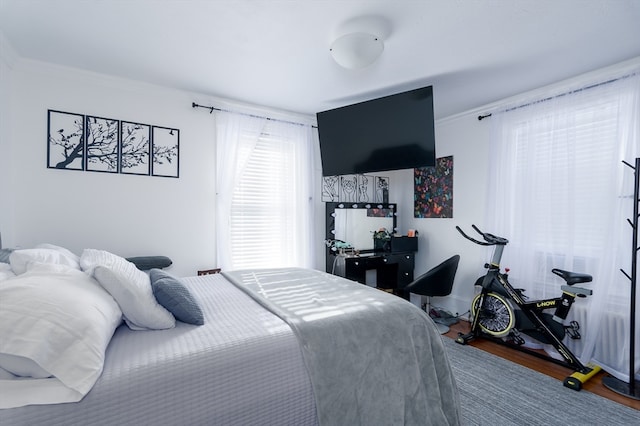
point(390, 269)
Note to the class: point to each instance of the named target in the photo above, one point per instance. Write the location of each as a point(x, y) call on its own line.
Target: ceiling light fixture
point(356, 50)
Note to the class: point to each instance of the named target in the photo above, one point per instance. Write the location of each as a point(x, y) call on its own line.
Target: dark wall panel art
point(165, 149)
point(85, 142)
point(433, 190)
point(102, 145)
point(65, 141)
point(355, 189)
point(135, 148)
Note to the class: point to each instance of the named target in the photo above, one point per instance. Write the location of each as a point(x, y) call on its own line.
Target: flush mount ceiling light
point(356, 50)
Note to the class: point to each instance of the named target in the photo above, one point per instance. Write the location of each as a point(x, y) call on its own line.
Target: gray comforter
point(373, 358)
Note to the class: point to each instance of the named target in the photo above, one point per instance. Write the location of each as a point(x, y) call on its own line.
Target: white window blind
point(570, 159)
point(264, 175)
point(260, 206)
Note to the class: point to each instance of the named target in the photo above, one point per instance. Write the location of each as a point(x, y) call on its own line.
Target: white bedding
point(54, 321)
point(349, 354)
point(242, 367)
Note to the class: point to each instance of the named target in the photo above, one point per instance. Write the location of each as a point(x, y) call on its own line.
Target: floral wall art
point(99, 144)
point(433, 190)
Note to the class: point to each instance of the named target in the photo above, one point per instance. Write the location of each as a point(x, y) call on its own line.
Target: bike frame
point(532, 309)
point(533, 312)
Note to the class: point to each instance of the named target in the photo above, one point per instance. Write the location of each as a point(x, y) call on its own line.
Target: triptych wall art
point(355, 189)
point(433, 190)
point(85, 142)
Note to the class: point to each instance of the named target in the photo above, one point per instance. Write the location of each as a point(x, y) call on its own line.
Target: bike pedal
point(572, 330)
point(515, 339)
point(574, 334)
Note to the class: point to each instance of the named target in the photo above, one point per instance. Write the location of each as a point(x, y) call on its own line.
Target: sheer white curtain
point(264, 183)
point(561, 195)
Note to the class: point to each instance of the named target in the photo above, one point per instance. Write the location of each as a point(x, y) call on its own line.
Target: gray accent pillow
point(171, 293)
point(4, 254)
point(144, 263)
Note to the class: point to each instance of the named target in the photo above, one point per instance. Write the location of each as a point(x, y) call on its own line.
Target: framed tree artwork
point(165, 151)
point(135, 148)
point(102, 145)
point(66, 140)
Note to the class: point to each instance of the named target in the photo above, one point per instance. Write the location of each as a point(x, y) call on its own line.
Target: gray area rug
point(495, 391)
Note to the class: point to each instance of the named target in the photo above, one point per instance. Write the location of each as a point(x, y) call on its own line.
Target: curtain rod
point(212, 108)
point(482, 117)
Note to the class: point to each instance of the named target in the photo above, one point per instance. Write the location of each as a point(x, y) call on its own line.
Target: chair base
point(443, 329)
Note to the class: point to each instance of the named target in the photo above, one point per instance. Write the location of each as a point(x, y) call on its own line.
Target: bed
point(276, 347)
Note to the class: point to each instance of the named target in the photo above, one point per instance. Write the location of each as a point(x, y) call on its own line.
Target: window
point(264, 197)
point(561, 195)
point(560, 184)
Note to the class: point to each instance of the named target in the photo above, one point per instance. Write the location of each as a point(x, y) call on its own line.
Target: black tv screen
point(390, 133)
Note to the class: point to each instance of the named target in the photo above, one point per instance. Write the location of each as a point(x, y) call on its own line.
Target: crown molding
point(601, 74)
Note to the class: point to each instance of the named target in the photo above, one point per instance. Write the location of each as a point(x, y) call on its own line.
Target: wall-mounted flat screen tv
point(390, 133)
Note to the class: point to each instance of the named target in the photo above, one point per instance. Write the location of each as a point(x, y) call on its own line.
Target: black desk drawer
point(394, 270)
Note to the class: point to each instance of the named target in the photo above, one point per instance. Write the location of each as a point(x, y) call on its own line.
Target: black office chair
point(438, 281)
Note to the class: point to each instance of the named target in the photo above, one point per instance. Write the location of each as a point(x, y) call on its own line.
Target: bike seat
point(572, 277)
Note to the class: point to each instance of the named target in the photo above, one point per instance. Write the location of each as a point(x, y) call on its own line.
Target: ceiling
point(275, 53)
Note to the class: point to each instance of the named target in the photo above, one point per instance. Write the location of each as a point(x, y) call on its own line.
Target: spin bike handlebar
point(491, 240)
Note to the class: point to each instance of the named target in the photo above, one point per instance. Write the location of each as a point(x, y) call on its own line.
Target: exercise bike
point(502, 313)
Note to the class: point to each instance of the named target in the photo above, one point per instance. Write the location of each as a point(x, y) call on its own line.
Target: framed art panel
point(65, 140)
point(365, 189)
point(102, 145)
point(331, 188)
point(433, 190)
point(355, 189)
point(135, 148)
point(349, 188)
point(165, 150)
point(381, 189)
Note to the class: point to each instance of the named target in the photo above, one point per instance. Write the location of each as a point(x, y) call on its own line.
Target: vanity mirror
point(355, 223)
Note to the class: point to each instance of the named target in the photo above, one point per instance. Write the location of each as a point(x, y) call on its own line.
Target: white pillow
point(20, 259)
point(6, 272)
point(61, 321)
point(22, 367)
point(62, 250)
point(130, 287)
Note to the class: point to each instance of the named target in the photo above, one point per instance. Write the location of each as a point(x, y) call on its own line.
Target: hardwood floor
point(549, 368)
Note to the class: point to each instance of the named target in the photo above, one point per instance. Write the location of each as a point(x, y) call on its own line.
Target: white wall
point(139, 215)
point(128, 215)
point(6, 208)
point(467, 140)
point(125, 214)
point(143, 215)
